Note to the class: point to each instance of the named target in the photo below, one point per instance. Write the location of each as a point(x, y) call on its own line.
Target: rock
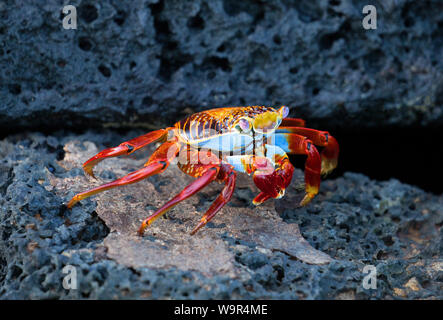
point(169, 244)
point(354, 220)
point(149, 63)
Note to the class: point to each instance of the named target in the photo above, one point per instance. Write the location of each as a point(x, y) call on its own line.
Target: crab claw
point(273, 182)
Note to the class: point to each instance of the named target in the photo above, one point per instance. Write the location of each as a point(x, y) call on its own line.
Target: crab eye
point(243, 125)
point(284, 111)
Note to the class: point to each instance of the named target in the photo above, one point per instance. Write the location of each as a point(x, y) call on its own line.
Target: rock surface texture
point(245, 252)
point(150, 62)
point(144, 64)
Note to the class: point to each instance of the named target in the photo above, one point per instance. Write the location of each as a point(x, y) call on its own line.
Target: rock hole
point(15, 89)
point(170, 63)
point(196, 23)
point(293, 70)
point(171, 59)
point(426, 284)
point(218, 63)
point(221, 48)
point(161, 26)
point(147, 101)
point(16, 272)
point(60, 153)
point(365, 87)
point(277, 39)
point(353, 64)
point(61, 63)
point(388, 241)
point(120, 17)
point(280, 273)
point(327, 40)
point(84, 44)
point(408, 21)
point(105, 71)
point(88, 13)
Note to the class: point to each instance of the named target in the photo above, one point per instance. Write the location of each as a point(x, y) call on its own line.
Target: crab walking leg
point(209, 175)
point(125, 148)
point(292, 122)
point(329, 155)
point(158, 163)
point(260, 198)
point(221, 200)
point(297, 144)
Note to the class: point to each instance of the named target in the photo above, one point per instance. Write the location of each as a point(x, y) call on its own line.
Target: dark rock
point(355, 220)
point(152, 62)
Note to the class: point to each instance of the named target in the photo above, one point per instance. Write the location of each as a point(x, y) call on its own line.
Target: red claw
point(273, 183)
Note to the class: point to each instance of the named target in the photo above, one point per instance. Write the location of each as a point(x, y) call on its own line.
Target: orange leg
point(221, 200)
point(125, 148)
point(157, 163)
point(297, 144)
point(260, 198)
point(205, 173)
point(209, 175)
point(329, 155)
point(292, 122)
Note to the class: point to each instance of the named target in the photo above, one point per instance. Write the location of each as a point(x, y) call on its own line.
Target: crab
point(214, 145)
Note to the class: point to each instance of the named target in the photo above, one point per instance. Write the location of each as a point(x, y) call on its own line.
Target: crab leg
point(209, 175)
point(329, 155)
point(292, 122)
point(297, 144)
point(221, 200)
point(158, 163)
point(125, 148)
point(260, 198)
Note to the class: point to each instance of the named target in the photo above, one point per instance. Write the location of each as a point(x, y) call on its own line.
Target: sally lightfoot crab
point(215, 144)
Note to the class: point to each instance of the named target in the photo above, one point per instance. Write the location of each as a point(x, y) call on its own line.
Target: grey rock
point(150, 63)
point(354, 220)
